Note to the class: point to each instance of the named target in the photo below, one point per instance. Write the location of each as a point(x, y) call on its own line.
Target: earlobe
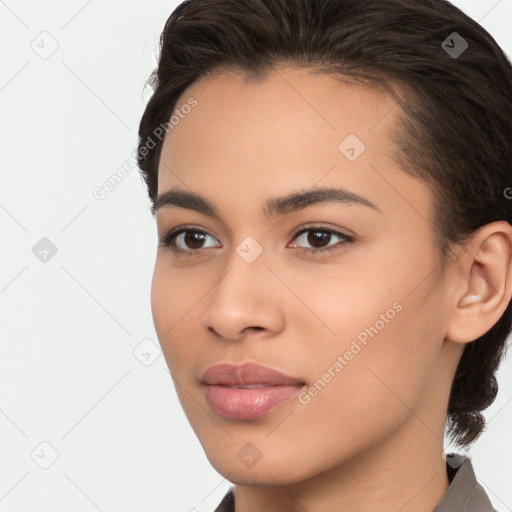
point(487, 284)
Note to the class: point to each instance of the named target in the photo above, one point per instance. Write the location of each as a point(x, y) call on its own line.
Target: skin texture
point(372, 438)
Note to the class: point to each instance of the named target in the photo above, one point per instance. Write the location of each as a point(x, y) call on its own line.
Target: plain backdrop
point(89, 418)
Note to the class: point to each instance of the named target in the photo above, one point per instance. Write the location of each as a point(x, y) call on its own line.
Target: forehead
point(292, 129)
point(289, 111)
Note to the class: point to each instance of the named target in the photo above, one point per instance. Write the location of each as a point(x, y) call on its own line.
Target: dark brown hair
point(455, 130)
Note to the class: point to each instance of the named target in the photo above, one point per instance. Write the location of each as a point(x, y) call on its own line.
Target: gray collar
point(464, 494)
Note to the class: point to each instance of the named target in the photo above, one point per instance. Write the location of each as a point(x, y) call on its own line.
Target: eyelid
point(322, 226)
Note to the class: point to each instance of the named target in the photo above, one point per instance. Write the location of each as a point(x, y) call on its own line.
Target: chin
point(271, 469)
point(257, 476)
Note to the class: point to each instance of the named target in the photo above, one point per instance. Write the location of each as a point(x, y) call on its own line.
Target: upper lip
point(246, 374)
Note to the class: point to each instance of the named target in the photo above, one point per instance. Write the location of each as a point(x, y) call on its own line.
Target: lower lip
point(247, 404)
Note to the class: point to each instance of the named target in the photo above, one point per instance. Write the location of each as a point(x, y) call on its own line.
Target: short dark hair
point(455, 129)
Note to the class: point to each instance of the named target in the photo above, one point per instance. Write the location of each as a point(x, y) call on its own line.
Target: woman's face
point(360, 326)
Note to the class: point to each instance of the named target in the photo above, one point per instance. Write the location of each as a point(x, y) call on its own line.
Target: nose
point(246, 298)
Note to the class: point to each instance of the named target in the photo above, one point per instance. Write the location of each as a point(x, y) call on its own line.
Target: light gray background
point(69, 326)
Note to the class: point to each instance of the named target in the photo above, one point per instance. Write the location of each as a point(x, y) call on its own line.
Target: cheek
point(161, 301)
point(172, 306)
point(387, 330)
point(174, 296)
point(374, 393)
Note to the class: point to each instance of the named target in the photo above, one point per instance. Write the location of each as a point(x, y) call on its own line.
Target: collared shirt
point(464, 493)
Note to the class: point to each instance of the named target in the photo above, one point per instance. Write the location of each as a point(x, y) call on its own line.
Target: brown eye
point(186, 241)
point(193, 239)
point(319, 239)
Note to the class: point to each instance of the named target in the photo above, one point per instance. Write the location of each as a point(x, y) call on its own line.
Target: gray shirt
point(464, 493)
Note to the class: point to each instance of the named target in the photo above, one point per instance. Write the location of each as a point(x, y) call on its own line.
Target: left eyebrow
point(273, 207)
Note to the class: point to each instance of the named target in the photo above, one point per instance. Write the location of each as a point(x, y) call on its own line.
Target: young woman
point(331, 181)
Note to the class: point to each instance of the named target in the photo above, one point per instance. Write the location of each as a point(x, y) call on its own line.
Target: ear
point(484, 286)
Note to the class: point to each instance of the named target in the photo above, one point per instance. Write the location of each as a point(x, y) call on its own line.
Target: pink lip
point(247, 391)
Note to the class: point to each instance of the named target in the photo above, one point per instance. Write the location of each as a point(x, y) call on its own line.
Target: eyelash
point(168, 239)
